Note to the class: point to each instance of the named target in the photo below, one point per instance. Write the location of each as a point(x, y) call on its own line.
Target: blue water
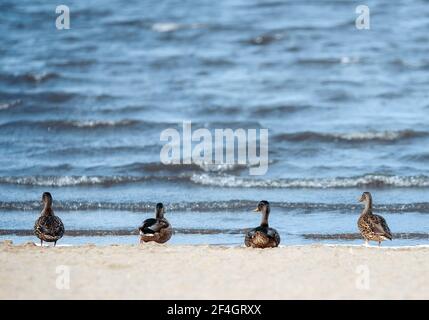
point(81, 112)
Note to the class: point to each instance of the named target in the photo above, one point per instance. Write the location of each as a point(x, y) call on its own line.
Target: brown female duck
point(48, 227)
point(262, 236)
point(156, 229)
point(372, 227)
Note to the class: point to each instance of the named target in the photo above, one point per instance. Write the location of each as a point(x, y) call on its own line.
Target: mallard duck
point(372, 227)
point(48, 227)
point(262, 236)
point(156, 229)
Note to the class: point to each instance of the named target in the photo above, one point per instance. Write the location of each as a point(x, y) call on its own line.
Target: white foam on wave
point(165, 26)
point(100, 123)
point(349, 60)
point(367, 180)
point(357, 136)
point(371, 135)
point(216, 177)
point(63, 181)
point(223, 167)
point(5, 106)
point(172, 26)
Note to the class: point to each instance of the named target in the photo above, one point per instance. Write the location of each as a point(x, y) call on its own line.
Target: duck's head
point(366, 197)
point(47, 199)
point(160, 210)
point(263, 206)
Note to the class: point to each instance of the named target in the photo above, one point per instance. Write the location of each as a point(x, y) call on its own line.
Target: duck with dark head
point(371, 226)
point(156, 229)
point(262, 236)
point(48, 226)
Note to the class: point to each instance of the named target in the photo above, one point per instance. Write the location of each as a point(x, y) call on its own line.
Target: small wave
point(390, 95)
point(219, 168)
point(181, 168)
point(73, 63)
point(226, 110)
point(419, 157)
point(277, 110)
point(124, 123)
point(328, 61)
point(221, 179)
point(102, 124)
point(8, 105)
point(375, 181)
point(126, 109)
point(337, 96)
point(30, 78)
point(105, 181)
point(410, 64)
point(128, 22)
point(39, 99)
point(268, 4)
point(377, 136)
point(265, 39)
point(217, 62)
point(163, 27)
point(63, 124)
point(53, 97)
point(213, 206)
point(98, 151)
point(55, 181)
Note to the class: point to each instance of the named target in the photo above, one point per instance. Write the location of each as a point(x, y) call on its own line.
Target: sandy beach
point(212, 272)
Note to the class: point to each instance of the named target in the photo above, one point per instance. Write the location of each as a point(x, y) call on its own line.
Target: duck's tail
point(388, 236)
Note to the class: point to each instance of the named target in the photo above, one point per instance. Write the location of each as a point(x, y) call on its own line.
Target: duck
point(48, 226)
point(156, 229)
point(262, 236)
point(371, 226)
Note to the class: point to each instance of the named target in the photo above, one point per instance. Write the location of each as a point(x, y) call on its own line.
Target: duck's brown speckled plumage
point(372, 227)
point(156, 229)
point(262, 236)
point(48, 226)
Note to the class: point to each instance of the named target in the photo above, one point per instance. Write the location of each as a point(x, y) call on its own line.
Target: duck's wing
point(273, 234)
point(39, 225)
point(248, 238)
point(379, 226)
point(262, 237)
point(152, 225)
point(269, 232)
point(50, 226)
point(57, 226)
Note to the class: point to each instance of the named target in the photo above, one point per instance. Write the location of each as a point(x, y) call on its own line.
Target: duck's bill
point(256, 210)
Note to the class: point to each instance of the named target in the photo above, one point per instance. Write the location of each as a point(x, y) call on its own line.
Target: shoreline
point(213, 272)
point(372, 245)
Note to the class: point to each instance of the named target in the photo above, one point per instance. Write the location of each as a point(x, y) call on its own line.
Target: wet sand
point(213, 272)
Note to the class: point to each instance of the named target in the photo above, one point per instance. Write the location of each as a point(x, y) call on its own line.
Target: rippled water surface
point(81, 112)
